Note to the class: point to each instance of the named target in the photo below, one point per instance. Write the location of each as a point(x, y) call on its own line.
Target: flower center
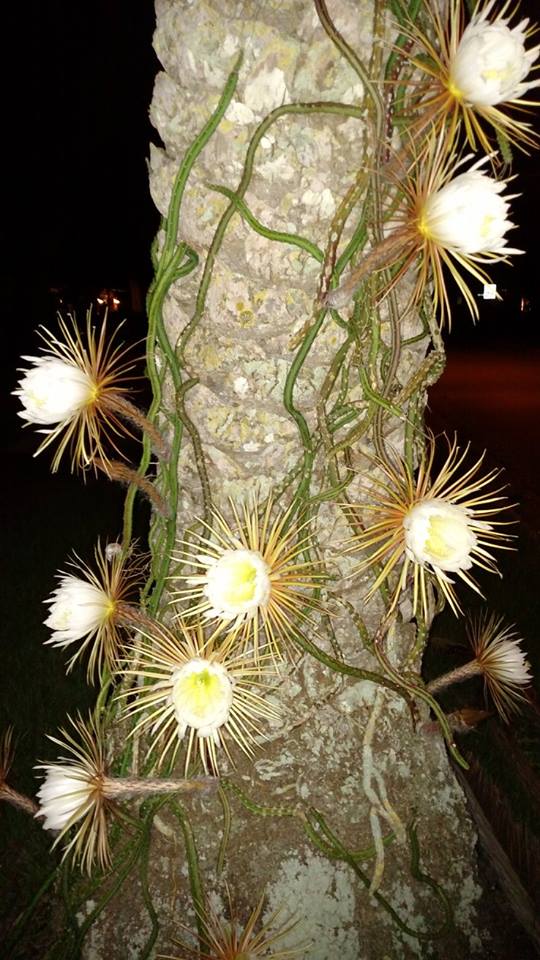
point(202, 696)
point(110, 609)
point(238, 583)
point(454, 90)
point(94, 392)
point(424, 226)
point(442, 536)
point(438, 533)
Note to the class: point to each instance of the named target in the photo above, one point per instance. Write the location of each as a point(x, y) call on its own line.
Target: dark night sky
point(77, 207)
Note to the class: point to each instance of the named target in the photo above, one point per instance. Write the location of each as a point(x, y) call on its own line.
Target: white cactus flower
point(500, 659)
point(491, 63)
point(476, 74)
point(451, 222)
point(508, 662)
point(53, 390)
point(237, 584)
point(438, 533)
point(65, 795)
point(89, 610)
point(76, 392)
point(200, 691)
point(251, 575)
point(77, 608)
point(468, 215)
point(430, 526)
point(73, 794)
point(202, 695)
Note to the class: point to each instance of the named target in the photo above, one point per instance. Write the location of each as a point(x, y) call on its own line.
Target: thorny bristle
point(229, 940)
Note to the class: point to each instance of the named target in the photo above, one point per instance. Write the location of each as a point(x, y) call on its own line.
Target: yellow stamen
point(242, 583)
point(198, 690)
point(485, 228)
point(497, 74)
point(454, 91)
point(110, 609)
point(423, 227)
point(437, 541)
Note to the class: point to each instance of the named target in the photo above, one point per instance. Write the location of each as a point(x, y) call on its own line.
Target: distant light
point(490, 291)
point(116, 301)
point(99, 300)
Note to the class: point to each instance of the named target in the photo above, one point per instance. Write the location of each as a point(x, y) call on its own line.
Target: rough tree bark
point(344, 745)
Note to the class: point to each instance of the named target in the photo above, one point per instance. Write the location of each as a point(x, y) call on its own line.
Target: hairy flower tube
point(430, 528)
point(251, 575)
point(474, 70)
point(7, 793)
point(201, 691)
point(232, 941)
point(451, 220)
point(75, 391)
point(72, 795)
point(6, 753)
point(89, 609)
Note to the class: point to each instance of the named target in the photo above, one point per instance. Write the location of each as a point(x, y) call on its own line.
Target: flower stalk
point(116, 470)
point(19, 800)
point(116, 403)
point(458, 675)
point(131, 788)
point(7, 793)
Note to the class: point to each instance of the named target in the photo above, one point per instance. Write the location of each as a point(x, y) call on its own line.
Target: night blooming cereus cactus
point(256, 737)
